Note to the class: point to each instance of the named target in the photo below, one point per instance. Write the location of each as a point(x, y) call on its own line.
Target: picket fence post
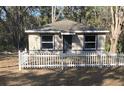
point(100, 59)
point(19, 55)
point(62, 63)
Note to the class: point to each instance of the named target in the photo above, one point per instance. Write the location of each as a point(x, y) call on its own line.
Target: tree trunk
point(116, 27)
point(113, 48)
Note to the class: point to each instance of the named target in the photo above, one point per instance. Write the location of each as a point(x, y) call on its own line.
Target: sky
point(36, 13)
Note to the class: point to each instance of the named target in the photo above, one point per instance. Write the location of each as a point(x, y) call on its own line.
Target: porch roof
point(65, 26)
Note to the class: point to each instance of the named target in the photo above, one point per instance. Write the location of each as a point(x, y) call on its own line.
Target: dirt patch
point(10, 75)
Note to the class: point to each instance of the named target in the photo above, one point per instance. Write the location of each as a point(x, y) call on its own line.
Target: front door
point(67, 43)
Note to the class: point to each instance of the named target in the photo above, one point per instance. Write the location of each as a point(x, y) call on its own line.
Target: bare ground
point(10, 75)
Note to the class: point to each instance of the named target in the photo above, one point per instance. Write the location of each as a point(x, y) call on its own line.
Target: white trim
point(57, 31)
point(90, 42)
point(68, 33)
point(90, 48)
point(47, 42)
point(92, 31)
point(102, 48)
point(41, 31)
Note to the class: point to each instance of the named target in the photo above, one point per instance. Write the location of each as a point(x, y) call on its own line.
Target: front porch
point(42, 59)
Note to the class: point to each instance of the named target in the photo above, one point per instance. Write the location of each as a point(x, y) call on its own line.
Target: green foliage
point(120, 45)
point(97, 17)
point(107, 44)
point(6, 43)
point(15, 19)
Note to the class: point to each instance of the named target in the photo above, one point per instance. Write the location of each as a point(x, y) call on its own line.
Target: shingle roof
point(65, 25)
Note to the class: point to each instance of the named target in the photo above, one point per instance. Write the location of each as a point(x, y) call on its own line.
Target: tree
point(14, 22)
point(117, 17)
point(18, 18)
point(57, 13)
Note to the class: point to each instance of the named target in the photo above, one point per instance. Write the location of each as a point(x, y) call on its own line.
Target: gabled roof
point(64, 25)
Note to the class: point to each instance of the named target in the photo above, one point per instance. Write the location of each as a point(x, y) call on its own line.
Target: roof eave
point(77, 31)
point(93, 31)
point(38, 31)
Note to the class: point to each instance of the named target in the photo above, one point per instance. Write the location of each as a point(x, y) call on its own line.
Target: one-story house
point(66, 36)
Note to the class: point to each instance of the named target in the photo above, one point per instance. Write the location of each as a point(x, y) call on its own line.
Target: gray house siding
point(77, 42)
point(58, 42)
point(101, 42)
point(34, 41)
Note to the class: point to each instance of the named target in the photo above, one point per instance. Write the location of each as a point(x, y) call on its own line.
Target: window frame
point(90, 42)
point(47, 42)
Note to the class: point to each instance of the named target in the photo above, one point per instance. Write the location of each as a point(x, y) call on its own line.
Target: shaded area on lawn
point(7, 56)
point(83, 76)
point(10, 75)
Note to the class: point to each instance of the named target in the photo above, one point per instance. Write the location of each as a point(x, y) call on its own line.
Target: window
point(47, 42)
point(90, 42)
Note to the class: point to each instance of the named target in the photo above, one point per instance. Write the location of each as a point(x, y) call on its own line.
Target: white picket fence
point(39, 59)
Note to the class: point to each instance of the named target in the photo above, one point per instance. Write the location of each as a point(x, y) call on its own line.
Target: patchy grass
point(10, 75)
